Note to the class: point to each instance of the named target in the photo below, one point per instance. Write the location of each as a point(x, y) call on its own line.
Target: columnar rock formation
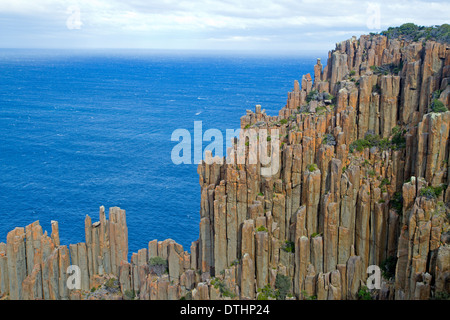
point(362, 182)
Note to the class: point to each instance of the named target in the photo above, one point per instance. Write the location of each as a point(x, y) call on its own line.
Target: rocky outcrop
point(362, 182)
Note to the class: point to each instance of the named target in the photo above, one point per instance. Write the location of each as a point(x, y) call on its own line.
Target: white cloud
point(213, 20)
point(239, 39)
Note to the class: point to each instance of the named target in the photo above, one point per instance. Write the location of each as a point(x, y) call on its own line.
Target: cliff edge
point(362, 184)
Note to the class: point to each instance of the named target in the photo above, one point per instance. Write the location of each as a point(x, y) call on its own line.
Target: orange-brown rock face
point(361, 183)
point(362, 180)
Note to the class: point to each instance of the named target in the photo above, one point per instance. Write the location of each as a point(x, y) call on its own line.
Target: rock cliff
point(362, 182)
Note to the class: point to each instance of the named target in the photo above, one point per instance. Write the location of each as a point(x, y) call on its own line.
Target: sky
point(262, 25)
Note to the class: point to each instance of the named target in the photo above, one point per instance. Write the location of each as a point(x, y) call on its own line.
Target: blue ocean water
point(83, 129)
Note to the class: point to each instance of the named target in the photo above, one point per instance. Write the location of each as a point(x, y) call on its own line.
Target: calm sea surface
point(83, 129)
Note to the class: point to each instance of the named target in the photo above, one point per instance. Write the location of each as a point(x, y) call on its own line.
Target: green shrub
point(261, 229)
point(410, 31)
point(312, 95)
point(364, 294)
point(386, 69)
point(376, 88)
point(267, 292)
point(359, 145)
point(352, 73)
point(188, 296)
point(388, 267)
point(330, 97)
point(157, 261)
point(398, 140)
point(283, 285)
point(372, 140)
point(321, 110)
point(397, 202)
point(312, 167)
point(432, 192)
point(441, 296)
point(235, 262)
point(223, 289)
point(112, 284)
point(329, 140)
point(438, 106)
point(288, 246)
point(308, 297)
point(129, 294)
point(385, 182)
point(283, 121)
point(158, 265)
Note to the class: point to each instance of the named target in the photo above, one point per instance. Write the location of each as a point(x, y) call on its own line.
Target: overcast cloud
point(265, 25)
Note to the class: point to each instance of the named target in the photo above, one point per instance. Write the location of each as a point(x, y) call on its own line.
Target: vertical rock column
point(17, 266)
point(4, 279)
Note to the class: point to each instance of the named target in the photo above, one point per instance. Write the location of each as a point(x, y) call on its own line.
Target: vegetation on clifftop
point(411, 31)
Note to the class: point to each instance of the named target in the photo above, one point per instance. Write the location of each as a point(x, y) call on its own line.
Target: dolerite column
point(125, 276)
point(355, 273)
point(362, 226)
point(17, 267)
point(83, 264)
point(64, 263)
point(296, 177)
point(32, 285)
point(97, 258)
point(302, 253)
point(4, 279)
point(317, 253)
point(175, 261)
point(194, 255)
point(330, 249)
point(310, 283)
point(248, 239)
point(310, 198)
point(89, 242)
point(247, 277)
point(33, 234)
point(52, 263)
point(134, 272)
point(390, 91)
point(55, 233)
point(335, 286)
point(119, 238)
point(220, 229)
point(143, 269)
point(262, 258)
point(279, 208)
point(78, 256)
point(232, 218)
point(105, 249)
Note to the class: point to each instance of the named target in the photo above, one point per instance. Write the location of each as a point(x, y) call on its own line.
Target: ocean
point(81, 129)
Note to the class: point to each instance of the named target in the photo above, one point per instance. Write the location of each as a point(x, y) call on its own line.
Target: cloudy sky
point(258, 25)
